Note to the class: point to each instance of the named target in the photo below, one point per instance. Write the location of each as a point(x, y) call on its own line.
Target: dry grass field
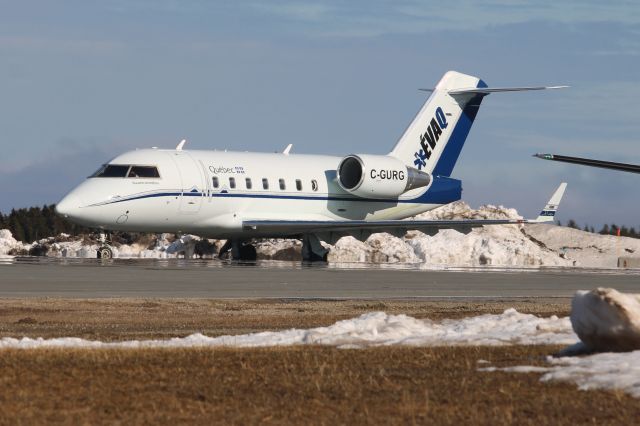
point(291, 385)
point(126, 319)
point(304, 385)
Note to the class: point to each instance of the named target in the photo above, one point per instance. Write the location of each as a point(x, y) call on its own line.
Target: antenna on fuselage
point(181, 144)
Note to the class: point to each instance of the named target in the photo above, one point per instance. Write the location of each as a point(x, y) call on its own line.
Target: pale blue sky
point(81, 81)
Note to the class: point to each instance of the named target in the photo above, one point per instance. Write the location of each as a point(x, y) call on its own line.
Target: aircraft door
point(193, 187)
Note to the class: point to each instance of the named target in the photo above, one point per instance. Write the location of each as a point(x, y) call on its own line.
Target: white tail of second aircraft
point(434, 139)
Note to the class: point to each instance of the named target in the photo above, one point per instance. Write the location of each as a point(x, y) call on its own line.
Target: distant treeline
point(32, 224)
point(605, 230)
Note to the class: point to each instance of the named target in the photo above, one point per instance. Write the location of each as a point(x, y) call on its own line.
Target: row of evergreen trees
point(606, 229)
point(32, 224)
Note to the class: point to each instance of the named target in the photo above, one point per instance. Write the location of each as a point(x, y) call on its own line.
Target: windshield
point(126, 170)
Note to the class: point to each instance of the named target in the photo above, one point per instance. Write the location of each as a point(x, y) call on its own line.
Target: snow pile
point(501, 245)
point(585, 248)
point(608, 371)
point(607, 320)
point(8, 244)
point(371, 329)
point(278, 249)
point(71, 248)
point(462, 210)
point(602, 371)
point(378, 248)
point(164, 247)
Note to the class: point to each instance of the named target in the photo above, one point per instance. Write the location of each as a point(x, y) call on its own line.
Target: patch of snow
point(607, 320)
point(517, 369)
point(607, 371)
point(371, 329)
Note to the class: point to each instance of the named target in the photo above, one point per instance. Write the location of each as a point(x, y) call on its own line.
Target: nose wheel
point(105, 251)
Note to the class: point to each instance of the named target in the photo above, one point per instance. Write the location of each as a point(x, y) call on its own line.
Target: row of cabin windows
point(265, 183)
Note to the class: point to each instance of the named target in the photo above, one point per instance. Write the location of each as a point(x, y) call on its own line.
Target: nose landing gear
point(105, 251)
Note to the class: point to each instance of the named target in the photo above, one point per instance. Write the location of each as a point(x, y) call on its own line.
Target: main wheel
point(105, 253)
point(248, 252)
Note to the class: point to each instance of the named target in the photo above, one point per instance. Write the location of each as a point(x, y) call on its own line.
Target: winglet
point(548, 213)
point(181, 144)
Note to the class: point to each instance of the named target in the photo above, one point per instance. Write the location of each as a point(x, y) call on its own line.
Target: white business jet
point(241, 196)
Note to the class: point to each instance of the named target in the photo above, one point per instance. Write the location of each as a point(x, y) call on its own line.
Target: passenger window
point(248, 182)
point(112, 170)
point(215, 181)
point(298, 184)
point(232, 182)
point(143, 172)
point(282, 184)
point(265, 183)
point(314, 185)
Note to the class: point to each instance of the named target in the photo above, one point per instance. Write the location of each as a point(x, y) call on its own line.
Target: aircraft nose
point(68, 205)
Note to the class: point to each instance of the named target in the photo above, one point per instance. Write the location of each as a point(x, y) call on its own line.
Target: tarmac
point(69, 278)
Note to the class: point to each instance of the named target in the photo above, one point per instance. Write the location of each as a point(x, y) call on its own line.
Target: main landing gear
point(105, 251)
point(312, 250)
point(234, 249)
point(238, 250)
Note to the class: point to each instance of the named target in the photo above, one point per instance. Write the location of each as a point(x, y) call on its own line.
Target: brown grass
point(296, 385)
point(314, 385)
point(124, 319)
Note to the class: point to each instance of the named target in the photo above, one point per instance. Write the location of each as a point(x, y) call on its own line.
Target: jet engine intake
point(378, 176)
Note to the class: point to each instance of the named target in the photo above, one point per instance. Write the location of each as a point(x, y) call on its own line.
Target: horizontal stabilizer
point(487, 90)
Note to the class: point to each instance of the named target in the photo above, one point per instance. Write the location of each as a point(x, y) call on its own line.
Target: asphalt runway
point(215, 279)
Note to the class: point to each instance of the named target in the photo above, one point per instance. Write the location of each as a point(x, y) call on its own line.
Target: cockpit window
point(143, 172)
point(125, 170)
point(112, 170)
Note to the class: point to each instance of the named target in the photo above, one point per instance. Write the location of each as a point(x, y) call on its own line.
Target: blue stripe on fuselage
point(442, 191)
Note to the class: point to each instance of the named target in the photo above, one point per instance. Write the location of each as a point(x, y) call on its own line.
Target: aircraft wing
point(623, 167)
point(294, 227)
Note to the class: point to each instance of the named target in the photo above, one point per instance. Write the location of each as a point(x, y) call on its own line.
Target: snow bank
point(607, 320)
point(585, 248)
point(279, 249)
point(8, 244)
point(371, 329)
point(503, 245)
point(608, 371)
point(378, 248)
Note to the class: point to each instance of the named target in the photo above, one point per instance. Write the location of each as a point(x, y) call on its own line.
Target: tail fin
point(549, 212)
point(434, 140)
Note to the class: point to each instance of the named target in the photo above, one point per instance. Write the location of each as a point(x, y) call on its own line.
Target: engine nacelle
point(379, 176)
